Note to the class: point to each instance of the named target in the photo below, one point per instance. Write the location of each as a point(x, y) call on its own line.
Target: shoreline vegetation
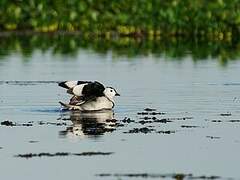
point(171, 29)
point(217, 19)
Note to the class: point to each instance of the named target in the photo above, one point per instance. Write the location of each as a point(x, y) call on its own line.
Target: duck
point(88, 96)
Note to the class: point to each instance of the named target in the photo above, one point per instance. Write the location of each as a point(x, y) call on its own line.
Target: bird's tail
point(69, 106)
point(63, 84)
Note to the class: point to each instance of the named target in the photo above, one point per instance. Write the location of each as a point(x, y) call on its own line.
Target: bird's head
point(110, 92)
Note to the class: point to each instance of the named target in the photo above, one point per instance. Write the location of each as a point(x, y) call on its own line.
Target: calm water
point(204, 92)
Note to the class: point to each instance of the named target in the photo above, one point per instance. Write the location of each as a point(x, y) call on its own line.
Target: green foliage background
point(219, 18)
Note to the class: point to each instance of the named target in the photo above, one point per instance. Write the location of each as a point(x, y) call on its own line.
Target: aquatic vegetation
point(62, 154)
point(217, 18)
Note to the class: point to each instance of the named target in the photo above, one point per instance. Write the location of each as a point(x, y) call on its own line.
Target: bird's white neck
point(110, 98)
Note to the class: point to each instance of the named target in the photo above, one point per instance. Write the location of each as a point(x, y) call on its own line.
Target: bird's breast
point(98, 104)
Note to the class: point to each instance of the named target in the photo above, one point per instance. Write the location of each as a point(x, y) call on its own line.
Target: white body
point(99, 103)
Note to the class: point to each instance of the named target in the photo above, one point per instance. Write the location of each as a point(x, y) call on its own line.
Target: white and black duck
point(89, 96)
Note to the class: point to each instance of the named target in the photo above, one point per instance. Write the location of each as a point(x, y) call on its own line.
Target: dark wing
point(71, 84)
point(90, 91)
point(94, 89)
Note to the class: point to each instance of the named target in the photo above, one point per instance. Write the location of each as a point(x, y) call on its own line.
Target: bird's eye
point(111, 90)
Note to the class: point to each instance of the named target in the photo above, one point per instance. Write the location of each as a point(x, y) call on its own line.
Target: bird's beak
point(117, 94)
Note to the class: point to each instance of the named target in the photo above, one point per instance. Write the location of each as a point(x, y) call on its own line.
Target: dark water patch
point(149, 109)
point(142, 113)
point(32, 141)
point(166, 120)
point(145, 122)
point(157, 113)
point(213, 137)
point(162, 120)
point(62, 154)
point(26, 124)
point(127, 120)
point(144, 130)
point(166, 132)
point(31, 123)
point(189, 126)
point(234, 121)
point(216, 121)
point(52, 123)
point(147, 119)
point(151, 113)
point(28, 83)
point(181, 118)
point(225, 114)
point(1, 147)
point(8, 123)
point(231, 84)
point(178, 176)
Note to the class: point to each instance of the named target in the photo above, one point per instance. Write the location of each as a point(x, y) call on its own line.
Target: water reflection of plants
point(169, 48)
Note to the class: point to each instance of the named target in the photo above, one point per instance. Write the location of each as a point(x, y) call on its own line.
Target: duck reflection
point(86, 124)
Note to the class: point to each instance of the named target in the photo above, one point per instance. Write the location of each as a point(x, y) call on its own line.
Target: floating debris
point(127, 120)
point(33, 141)
point(225, 114)
point(146, 118)
point(31, 123)
point(162, 120)
point(189, 126)
point(149, 109)
point(178, 176)
point(213, 137)
point(8, 123)
point(27, 83)
point(142, 113)
point(26, 124)
point(166, 132)
point(151, 113)
point(52, 123)
point(62, 154)
point(217, 121)
point(234, 121)
point(157, 113)
point(144, 122)
point(181, 118)
point(144, 130)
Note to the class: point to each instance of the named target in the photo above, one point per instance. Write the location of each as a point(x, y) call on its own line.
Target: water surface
point(200, 98)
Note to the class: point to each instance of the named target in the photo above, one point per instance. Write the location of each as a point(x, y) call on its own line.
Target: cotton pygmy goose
point(89, 96)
